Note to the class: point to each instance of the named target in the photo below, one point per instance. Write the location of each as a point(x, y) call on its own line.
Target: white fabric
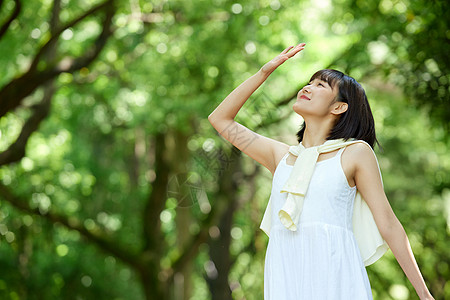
point(321, 259)
point(370, 242)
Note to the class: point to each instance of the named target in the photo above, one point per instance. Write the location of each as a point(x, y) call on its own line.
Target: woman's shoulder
point(360, 152)
point(360, 146)
point(357, 156)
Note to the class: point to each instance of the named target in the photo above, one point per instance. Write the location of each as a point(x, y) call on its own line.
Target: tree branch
point(16, 150)
point(58, 32)
point(12, 94)
point(107, 245)
point(90, 55)
point(14, 15)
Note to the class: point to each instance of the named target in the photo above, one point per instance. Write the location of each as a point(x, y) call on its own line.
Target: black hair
point(357, 122)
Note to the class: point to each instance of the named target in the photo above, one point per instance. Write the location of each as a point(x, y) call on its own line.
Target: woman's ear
point(339, 108)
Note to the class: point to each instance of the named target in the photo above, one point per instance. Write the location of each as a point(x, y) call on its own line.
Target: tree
point(105, 145)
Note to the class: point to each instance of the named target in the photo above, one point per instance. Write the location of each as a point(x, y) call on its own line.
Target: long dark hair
point(357, 122)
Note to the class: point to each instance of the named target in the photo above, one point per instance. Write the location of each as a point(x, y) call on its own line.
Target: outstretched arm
point(369, 184)
point(258, 147)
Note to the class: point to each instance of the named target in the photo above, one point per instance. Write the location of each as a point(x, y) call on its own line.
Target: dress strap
point(285, 156)
point(340, 151)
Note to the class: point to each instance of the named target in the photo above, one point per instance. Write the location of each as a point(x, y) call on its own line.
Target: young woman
point(313, 252)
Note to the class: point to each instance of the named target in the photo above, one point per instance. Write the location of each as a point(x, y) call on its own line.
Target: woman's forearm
point(401, 248)
point(231, 105)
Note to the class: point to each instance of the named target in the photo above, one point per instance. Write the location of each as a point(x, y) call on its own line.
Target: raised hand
point(281, 58)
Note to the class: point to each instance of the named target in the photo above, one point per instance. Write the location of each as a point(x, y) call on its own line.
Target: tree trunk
point(153, 287)
point(218, 268)
point(182, 284)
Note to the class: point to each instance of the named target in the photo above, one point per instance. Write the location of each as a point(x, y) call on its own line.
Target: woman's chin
point(302, 111)
point(296, 107)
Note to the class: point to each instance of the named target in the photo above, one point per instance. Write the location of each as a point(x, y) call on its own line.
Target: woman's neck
point(316, 134)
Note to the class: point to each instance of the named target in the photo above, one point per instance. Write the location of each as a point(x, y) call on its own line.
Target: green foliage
point(165, 68)
point(402, 40)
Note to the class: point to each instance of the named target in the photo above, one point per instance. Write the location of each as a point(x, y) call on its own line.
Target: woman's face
point(315, 99)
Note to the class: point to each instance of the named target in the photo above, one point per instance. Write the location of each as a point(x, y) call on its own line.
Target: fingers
point(287, 49)
point(299, 47)
point(295, 50)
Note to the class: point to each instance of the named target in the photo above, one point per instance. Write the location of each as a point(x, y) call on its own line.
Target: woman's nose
point(306, 89)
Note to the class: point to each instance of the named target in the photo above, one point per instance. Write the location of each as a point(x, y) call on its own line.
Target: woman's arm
point(369, 184)
point(262, 149)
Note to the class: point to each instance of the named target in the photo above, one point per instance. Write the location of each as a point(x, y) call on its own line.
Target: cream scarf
point(370, 242)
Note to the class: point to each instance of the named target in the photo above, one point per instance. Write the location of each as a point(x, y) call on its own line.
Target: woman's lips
point(304, 97)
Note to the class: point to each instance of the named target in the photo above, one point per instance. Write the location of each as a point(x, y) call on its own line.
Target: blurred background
point(113, 184)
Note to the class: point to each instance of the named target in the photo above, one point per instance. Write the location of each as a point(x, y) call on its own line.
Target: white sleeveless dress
point(320, 260)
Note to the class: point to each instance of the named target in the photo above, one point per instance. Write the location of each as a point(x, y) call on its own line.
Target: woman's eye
point(321, 84)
